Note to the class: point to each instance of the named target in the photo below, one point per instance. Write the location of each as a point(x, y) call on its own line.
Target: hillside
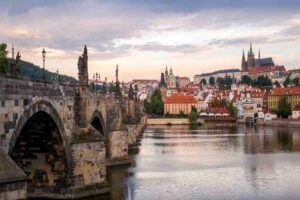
point(34, 72)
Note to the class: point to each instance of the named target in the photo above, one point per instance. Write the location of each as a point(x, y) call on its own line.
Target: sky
point(145, 36)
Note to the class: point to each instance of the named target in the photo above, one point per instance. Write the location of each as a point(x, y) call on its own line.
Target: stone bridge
point(62, 137)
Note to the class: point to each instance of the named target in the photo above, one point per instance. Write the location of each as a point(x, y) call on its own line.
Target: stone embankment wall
point(165, 121)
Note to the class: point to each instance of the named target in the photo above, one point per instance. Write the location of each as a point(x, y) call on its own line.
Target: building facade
point(177, 104)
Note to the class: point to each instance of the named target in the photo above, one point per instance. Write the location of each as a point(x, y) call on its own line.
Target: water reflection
point(240, 162)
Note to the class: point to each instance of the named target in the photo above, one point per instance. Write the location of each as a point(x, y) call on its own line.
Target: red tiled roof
point(285, 91)
point(182, 99)
point(279, 68)
point(293, 70)
point(192, 90)
point(184, 78)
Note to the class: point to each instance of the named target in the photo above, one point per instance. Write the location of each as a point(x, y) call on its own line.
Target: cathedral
point(170, 78)
point(253, 62)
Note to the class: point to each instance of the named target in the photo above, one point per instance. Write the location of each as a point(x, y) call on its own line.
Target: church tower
point(82, 64)
point(243, 64)
point(251, 58)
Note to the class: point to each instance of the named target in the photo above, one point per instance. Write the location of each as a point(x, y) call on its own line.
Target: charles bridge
point(58, 140)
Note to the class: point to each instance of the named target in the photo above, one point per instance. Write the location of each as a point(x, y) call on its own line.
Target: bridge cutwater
point(56, 141)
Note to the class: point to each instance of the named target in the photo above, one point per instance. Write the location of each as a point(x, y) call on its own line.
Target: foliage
point(181, 114)
point(262, 81)
point(224, 83)
point(203, 81)
point(157, 103)
point(296, 81)
point(246, 80)
point(284, 108)
point(287, 81)
point(3, 58)
point(232, 109)
point(212, 81)
point(155, 106)
point(34, 72)
point(215, 102)
point(277, 84)
point(148, 107)
point(192, 116)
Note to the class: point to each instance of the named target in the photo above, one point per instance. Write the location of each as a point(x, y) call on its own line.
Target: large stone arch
point(39, 106)
point(30, 117)
point(98, 116)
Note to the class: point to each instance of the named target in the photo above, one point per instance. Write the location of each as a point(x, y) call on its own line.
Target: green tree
point(192, 116)
point(148, 107)
point(157, 103)
point(296, 81)
point(263, 81)
point(232, 109)
point(203, 81)
point(212, 81)
point(246, 80)
point(287, 81)
point(3, 58)
point(277, 84)
point(284, 108)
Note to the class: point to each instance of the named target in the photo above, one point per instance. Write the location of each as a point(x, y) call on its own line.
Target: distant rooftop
point(220, 71)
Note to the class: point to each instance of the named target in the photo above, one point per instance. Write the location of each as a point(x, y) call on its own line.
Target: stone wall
point(118, 144)
point(88, 163)
point(18, 95)
point(16, 190)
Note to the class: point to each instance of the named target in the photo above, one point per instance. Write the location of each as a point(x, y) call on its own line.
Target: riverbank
point(170, 121)
point(276, 122)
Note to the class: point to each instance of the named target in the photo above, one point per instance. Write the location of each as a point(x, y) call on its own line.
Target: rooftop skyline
point(144, 36)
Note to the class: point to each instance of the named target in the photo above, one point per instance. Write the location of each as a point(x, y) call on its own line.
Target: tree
point(296, 81)
point(157, 105)
point(215, 102)
point(193, 115)
point(148, 107)
point(246, 80)
point(284, 108)
point(212, 81)
point(277, 84)
point(232, 109)
point(203, 81)
point(3, 58)
point(287, 81)
point(263, 81)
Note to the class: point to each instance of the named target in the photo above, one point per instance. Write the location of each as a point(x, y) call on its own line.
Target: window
point(3, 103)
point(16, 102)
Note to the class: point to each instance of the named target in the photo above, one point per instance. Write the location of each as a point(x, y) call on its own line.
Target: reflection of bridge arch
point(38, 146)
point(97, 121)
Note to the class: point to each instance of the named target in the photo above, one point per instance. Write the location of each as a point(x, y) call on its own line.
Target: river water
point(177, 162)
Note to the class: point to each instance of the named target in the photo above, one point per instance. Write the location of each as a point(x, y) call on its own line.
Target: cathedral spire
point(13, 51)
point(243, 64)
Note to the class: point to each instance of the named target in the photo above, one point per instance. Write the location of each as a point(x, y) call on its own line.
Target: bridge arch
point(98, 122)
point(39, 146)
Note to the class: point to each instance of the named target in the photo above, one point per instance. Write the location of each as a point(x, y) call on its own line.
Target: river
point(177, 162)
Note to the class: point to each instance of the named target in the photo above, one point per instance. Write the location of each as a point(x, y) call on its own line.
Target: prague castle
point(253, 62)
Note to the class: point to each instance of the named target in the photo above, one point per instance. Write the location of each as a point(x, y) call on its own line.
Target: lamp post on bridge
point(44, 57)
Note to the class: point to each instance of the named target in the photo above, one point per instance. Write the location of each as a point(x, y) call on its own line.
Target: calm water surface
point(176, 162)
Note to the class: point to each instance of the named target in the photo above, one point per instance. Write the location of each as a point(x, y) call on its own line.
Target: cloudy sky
point(143, 36)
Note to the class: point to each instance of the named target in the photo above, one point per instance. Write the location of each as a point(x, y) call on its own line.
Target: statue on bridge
point(17, 69)
point(82, 64)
